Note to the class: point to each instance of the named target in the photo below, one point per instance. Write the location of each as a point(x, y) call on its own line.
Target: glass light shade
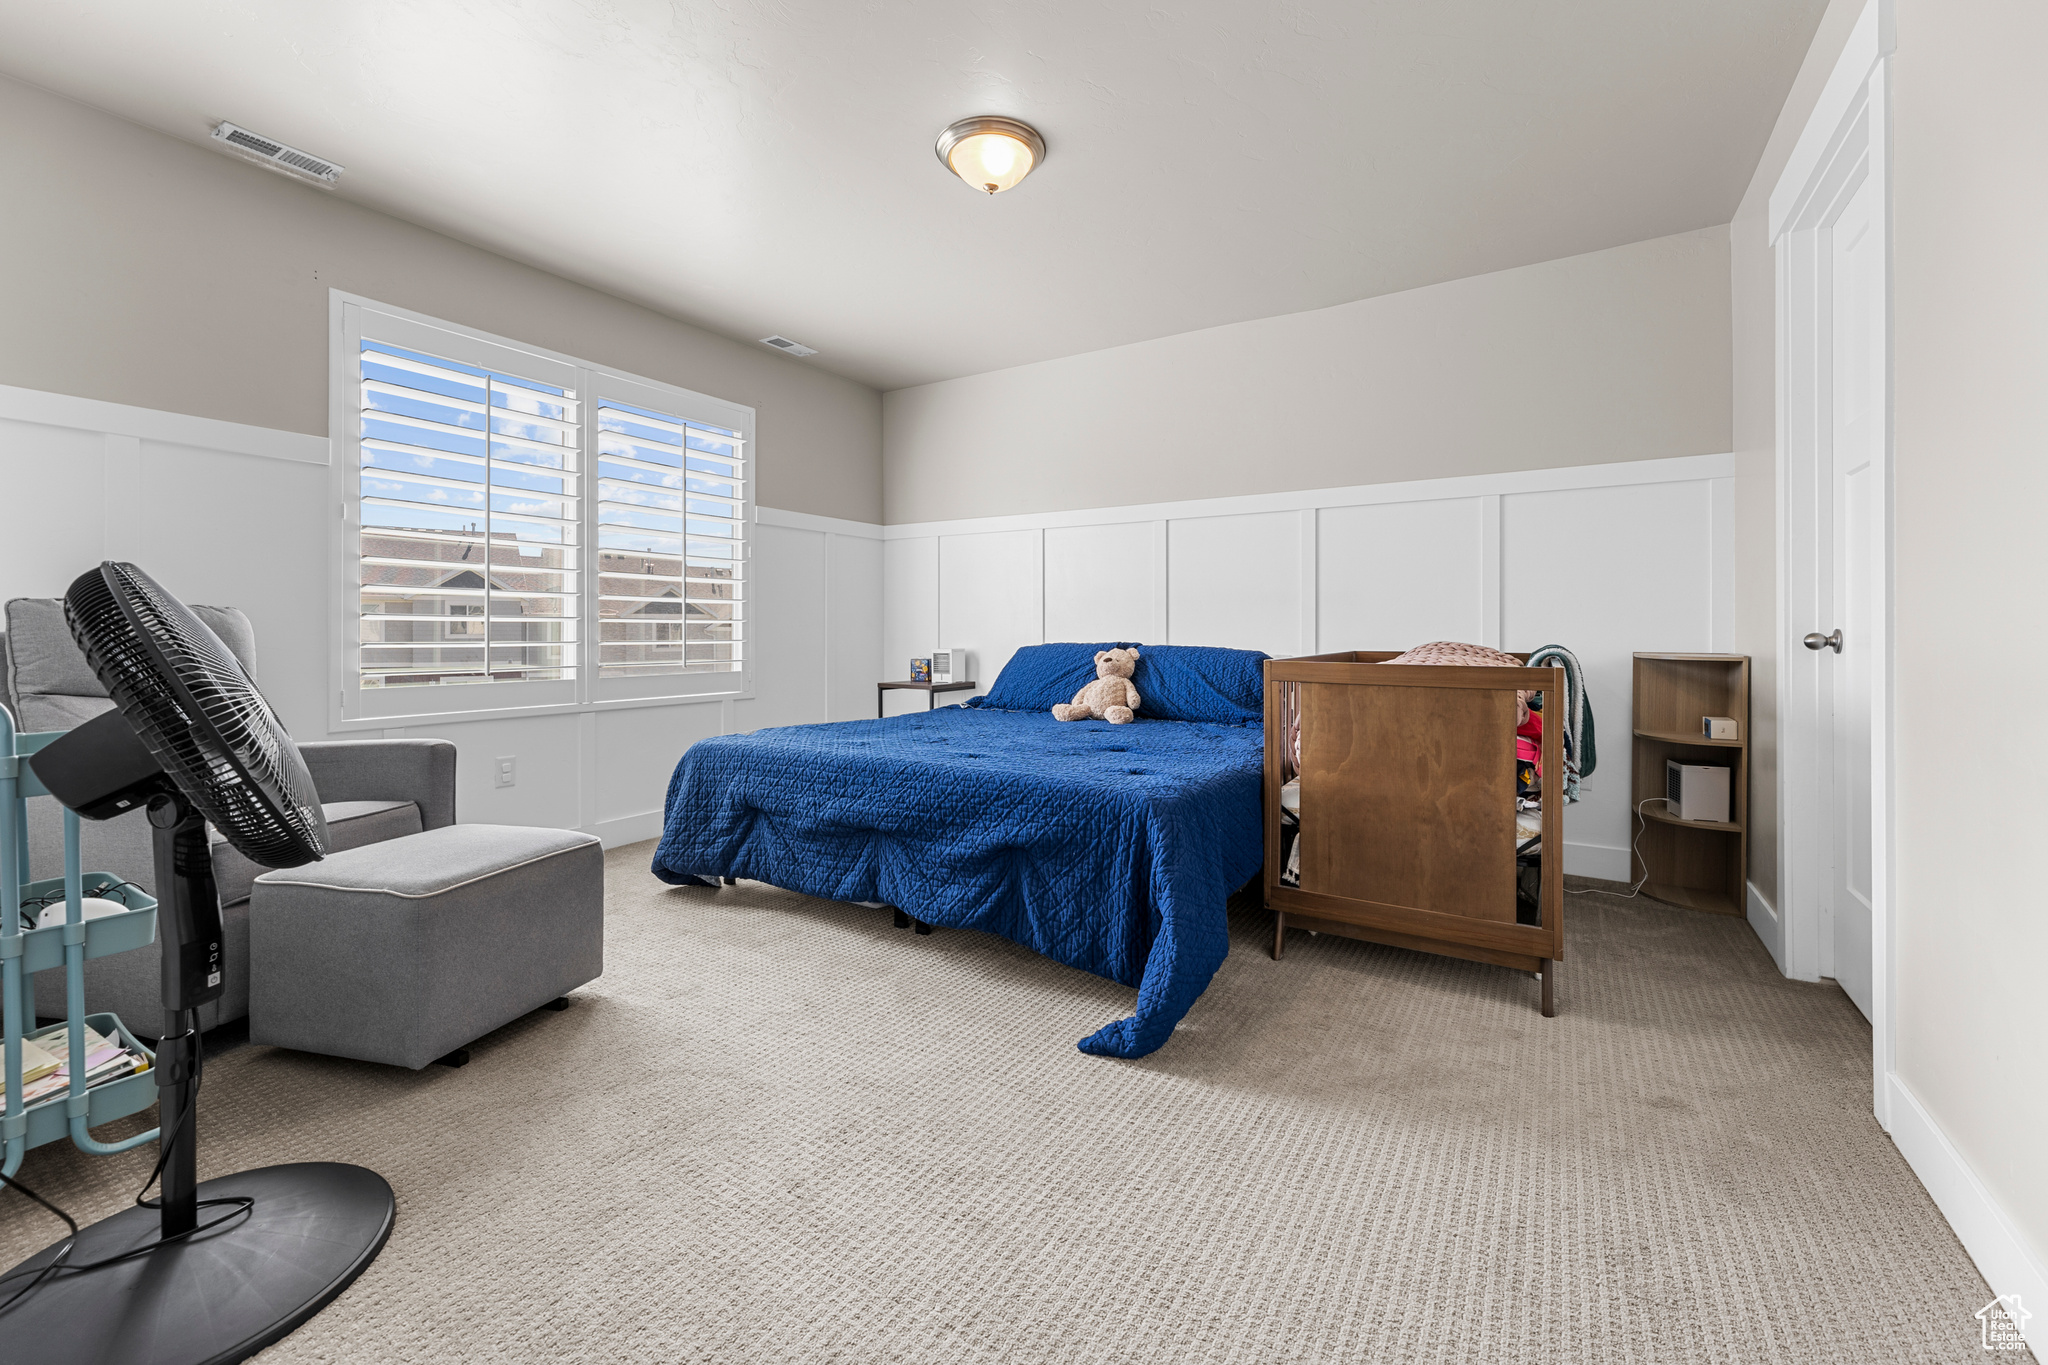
point(991, 161)
point(991, 153)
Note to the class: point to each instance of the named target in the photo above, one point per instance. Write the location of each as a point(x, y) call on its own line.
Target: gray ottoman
point(403, 951)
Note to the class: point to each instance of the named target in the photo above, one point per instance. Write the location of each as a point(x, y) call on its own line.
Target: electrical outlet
point(508, 772)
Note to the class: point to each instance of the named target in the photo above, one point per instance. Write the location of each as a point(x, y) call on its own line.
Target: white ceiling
point(763, 166)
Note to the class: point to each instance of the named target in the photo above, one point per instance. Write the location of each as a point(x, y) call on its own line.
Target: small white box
point(1719, 727)
point(1696, 791)
point(951, 665)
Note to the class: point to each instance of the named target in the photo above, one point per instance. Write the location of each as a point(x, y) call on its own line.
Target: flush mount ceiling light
point(989, 152)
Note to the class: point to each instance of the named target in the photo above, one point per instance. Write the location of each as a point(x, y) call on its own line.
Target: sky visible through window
point(465, 468)
point(668, 549)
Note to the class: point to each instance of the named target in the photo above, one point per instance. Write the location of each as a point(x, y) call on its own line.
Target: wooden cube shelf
point(1696, 863)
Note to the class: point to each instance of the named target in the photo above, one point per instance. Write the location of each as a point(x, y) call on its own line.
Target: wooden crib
point(1407, 807)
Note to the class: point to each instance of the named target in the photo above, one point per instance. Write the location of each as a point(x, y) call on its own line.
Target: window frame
point(351, 707)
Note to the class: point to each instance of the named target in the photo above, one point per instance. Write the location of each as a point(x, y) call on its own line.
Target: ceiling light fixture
point(989, 152)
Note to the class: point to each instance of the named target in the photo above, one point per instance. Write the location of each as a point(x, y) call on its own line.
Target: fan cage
point(193, 704)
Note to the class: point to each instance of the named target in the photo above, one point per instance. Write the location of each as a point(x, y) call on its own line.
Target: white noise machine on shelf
point(1696, 792)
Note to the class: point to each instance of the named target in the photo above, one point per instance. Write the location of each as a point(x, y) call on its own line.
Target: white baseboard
point(2002, 1255)
point(1763, 917)
point(627, 829)
point(1597, 860)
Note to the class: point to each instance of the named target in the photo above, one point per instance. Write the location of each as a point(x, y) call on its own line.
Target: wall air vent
point(785, 344)
point(277, 155)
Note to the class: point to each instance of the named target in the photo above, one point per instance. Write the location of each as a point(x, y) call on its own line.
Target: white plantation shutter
point(470, 523)
point(527, 531)
point(669, 540)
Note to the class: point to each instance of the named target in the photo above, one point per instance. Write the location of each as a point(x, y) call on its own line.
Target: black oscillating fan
point(194, 741)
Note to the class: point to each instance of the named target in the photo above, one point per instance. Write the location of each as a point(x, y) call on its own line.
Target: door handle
point(1817, 641)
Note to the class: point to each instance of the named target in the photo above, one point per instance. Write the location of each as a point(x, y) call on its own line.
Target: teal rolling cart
point(25, 951)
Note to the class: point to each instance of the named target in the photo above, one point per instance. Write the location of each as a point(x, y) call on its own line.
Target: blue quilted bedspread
point(1111, 848)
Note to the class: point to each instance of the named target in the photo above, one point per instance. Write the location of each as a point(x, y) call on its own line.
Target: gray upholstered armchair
point(371, 790)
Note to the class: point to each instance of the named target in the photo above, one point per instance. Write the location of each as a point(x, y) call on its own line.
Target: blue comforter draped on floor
point(1111, 848)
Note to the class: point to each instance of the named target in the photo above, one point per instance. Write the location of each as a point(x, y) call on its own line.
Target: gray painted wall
point(1969, 295)
point(1617, 355)
point(141, 269)
point(1970, 350)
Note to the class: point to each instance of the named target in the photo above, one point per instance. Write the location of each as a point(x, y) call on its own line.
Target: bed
point(1111, 848)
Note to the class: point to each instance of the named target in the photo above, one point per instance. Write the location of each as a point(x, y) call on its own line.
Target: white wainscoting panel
point(549, 754)
point(240, 516)
point(59, 469)
point(1603, 559)
point(1393, 574)
point(1105, 582)
point(636, 752)
point(853, 613)
point(786, 585)
point(1236, 581)
point(991, 598)
point(910, 613)
point(1609, 572)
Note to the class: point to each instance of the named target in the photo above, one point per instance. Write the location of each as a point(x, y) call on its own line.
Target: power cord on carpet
point(1634, 854)
point(242, 1204)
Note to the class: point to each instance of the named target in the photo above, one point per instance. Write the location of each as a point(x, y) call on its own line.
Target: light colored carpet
point(779, 1130)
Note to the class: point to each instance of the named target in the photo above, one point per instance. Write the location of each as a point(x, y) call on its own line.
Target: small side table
point(930, 689)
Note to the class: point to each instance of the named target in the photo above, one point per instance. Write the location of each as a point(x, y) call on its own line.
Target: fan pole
point(178, 1121)
point(189, 926)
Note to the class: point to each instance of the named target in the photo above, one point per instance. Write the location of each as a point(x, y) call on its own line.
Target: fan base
point(212, 1299)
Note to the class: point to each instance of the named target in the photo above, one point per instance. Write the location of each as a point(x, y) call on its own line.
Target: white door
point(1855, 432)
point(1829, 227)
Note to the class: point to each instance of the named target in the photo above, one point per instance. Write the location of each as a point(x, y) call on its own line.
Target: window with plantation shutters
point(671, 593)
point(524, 531)
point(470, 519)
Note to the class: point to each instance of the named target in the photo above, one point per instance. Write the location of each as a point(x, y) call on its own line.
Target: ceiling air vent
point(277, 155)
point(785, 344)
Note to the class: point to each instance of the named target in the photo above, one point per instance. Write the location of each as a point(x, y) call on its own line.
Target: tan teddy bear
point(1110, 697)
